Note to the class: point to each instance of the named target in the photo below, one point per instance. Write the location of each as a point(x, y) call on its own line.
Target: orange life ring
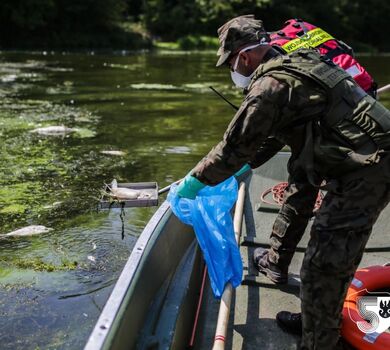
point(366, 280)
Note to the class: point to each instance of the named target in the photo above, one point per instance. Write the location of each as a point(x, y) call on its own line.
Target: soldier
point(300, 196)
point(337, 134)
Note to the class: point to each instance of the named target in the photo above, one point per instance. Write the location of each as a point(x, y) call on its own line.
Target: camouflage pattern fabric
point(293, 108)
point(291, 221)
point(339, 234)
point(237, 33)
point(266, 151)
point(271, 104)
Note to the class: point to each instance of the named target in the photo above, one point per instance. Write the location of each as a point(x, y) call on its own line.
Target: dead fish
point(113, 153)
point(28, 231)
point(122, 192)
point(54, 130)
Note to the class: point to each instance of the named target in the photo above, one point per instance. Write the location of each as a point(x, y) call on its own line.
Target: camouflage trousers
point(340, 231)
point(291, 222)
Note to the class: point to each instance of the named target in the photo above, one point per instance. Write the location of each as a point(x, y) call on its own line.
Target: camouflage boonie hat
point(237, 33)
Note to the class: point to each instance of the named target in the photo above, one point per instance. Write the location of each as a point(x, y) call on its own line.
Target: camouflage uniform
point(290, 224)
point(297, 209)
point(336, 133)
point(339, 234)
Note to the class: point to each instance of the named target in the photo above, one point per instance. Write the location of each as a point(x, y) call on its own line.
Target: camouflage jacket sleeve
point(255, 120)
point(266, 151)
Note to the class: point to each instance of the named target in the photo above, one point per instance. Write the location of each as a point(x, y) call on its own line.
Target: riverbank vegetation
point(190, 24)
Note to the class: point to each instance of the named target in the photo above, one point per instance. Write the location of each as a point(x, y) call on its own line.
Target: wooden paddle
point(167, 188)
point(224, 308)
point(383, 89)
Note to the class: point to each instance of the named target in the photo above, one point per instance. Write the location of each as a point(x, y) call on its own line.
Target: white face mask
point(240, 80)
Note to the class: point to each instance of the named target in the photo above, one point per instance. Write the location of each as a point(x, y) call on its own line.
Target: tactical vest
point(297, 34)
point(352, 130)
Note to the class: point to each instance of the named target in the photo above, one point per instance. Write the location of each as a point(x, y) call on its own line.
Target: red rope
point(277, 192)
point(192, 340)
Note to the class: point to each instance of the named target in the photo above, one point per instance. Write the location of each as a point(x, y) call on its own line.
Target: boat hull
point(154, 300)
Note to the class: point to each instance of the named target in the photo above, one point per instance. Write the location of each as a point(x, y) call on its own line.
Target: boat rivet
point(104, 326)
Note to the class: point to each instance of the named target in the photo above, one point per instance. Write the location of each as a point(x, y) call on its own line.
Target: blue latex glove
point(189, 187)
point(243, 170)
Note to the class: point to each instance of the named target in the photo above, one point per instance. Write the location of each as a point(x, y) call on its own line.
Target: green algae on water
point(37, 264)
point(14, 209)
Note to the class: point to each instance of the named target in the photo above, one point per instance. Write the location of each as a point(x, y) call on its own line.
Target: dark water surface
point(157, 109)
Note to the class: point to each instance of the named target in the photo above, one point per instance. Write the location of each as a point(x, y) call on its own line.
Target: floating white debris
point(54, 130)
point(8, 78)
point(113, 153)
point(143, 86)
point(204, 87)
point(178, 150)
point(91, 258)
point(53, 205)
point(28, 231)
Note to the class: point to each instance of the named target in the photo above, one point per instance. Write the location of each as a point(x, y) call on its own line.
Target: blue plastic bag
point(209, 214)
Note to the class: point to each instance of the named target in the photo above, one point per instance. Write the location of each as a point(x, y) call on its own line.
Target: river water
point(157, 109)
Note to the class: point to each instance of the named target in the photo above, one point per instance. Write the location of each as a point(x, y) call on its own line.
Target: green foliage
point(365, 23)
point(97, 23)
point(172, 19)
point(192, 42)
point(167, 45)
point(359, 23)
point(66, 24)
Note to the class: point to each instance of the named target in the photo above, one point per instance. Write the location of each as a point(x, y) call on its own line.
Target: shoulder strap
point(305, 63)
